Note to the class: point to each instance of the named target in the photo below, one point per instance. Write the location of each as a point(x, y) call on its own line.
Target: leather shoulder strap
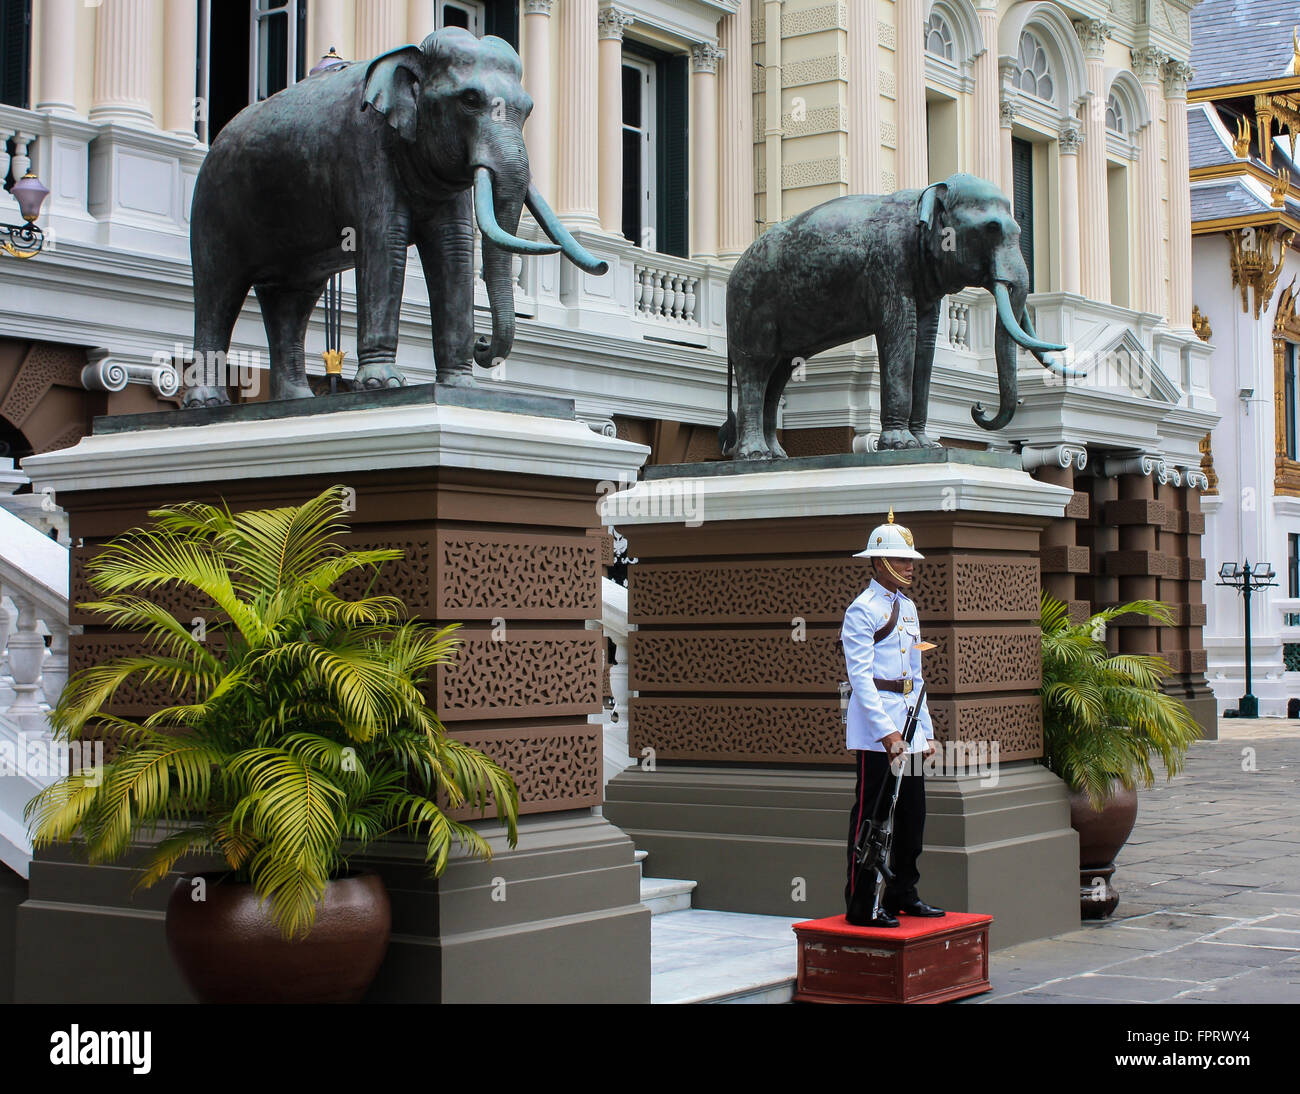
point(890, 623)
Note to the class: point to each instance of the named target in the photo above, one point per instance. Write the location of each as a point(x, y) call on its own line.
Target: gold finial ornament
point(333, 361)
point(1281, 186)
point(1241, 143)
point(891, 514)
point(1201, 324)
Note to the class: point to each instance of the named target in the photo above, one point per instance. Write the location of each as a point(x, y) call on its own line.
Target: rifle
point(876, 838)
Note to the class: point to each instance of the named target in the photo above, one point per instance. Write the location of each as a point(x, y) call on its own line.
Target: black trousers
point(909, 830)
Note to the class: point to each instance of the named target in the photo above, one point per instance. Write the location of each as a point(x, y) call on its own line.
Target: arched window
point(1115, 121)
point(938, 36)
point(1035, 69)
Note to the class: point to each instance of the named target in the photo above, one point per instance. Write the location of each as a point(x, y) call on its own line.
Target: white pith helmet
point(890, 540)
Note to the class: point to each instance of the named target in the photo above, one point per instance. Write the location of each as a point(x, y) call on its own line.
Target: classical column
point(1006, 116)
point(611, 22)
point(736, 132)
point(539, 131)
point(704, 150)
point(576, 187)
point(325, 23)
point(420, 19)
point(1177, 74)
point(57, 92)
point(864, 99)
point(380, 26)
point(1150, 295)
point(1094, 218)
point(123, 62)
point(181, 38)
point(987, 162)
point(909, 59)
point(1068, 145)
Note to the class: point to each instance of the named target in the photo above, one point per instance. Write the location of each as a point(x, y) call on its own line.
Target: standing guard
point(882, 652)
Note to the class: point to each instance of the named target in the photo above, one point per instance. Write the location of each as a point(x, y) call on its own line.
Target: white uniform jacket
point(874, 714)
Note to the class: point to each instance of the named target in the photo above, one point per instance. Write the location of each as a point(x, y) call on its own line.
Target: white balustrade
point(665, 295)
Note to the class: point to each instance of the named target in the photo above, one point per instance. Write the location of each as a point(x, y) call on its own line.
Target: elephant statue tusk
point(1054, 366)
point(551, 225)
point(1008, 320)
point(487, 220)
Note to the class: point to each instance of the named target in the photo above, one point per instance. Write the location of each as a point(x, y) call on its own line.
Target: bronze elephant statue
point(867, 264)
point(349, 167)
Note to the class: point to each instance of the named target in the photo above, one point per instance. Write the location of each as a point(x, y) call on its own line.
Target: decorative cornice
point(1145, 463)
point(1034, 456)
point(538, 7)
point(705, 57)
point(1177, 75)
point(1093, 34)
point(1147, 63)
point(107, 373)
point(611, 22)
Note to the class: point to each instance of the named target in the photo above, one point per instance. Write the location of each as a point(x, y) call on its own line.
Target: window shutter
point(502, 20)
point(1022, 174)
point(15, 51)
point(671, 114)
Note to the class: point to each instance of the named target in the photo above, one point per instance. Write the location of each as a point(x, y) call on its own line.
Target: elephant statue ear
point(927, 208)
point(393, 88)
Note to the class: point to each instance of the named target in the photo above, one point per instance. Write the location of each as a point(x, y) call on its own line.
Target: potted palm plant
point(1104, 719)
point(298, 732)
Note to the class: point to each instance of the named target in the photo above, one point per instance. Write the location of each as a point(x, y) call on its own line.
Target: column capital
point(1093, 34)
point(611, 21)
point(1177, 74)
point(1006, 112)
point(538, 7)
point(1070, 138)
point(705, 57)
point(1147, 62)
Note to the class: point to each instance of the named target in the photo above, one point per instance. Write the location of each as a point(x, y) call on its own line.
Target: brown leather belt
point(903, 687)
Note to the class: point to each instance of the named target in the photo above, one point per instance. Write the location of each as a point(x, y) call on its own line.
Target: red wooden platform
point(919, 961)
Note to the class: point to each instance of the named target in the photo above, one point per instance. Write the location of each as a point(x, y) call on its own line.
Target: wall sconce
point(25, 240)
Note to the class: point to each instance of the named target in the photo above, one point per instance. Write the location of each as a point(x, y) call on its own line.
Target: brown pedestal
point(919, 961)
point(495, 513)
point(744, 783)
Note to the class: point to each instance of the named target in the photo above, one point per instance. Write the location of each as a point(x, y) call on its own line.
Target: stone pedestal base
point(556, 920)
point(774, 841)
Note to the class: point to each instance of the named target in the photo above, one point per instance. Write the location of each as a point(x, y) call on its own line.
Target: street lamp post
point(1246, 579)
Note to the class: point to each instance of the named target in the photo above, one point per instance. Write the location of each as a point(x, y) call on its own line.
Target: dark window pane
point(673, 156)
point(454, 17)
point(15, 51)
point(1022, 173)
point(632, 184)
point(632, 78)
point(275, 51)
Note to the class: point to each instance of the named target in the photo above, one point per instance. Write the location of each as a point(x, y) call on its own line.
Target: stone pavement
point(1209, 887)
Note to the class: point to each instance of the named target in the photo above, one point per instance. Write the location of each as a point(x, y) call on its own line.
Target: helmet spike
point(891, 514)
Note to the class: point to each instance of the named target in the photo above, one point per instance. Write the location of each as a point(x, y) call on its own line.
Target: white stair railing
point(33, 606)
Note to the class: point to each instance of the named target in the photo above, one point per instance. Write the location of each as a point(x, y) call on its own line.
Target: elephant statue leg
point(218, 297)
point(771, 401)
point(752, 375)
point(446, 249)
point(927, 326)
point(896, 344)
point(381, 270)
point(285, 314)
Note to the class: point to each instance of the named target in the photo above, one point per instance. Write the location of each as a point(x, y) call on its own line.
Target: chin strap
point(905, 582)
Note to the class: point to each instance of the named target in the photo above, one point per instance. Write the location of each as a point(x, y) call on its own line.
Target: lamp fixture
point(25, 240)
point(1247, 579)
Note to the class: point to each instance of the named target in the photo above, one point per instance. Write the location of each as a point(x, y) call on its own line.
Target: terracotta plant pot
point(1101, 835)
point(230, 951)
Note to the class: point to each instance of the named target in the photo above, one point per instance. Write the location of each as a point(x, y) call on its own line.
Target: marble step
point(663, 895)
point(700, 956)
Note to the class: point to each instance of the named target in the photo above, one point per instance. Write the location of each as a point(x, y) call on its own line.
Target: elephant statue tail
point(727, 434)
